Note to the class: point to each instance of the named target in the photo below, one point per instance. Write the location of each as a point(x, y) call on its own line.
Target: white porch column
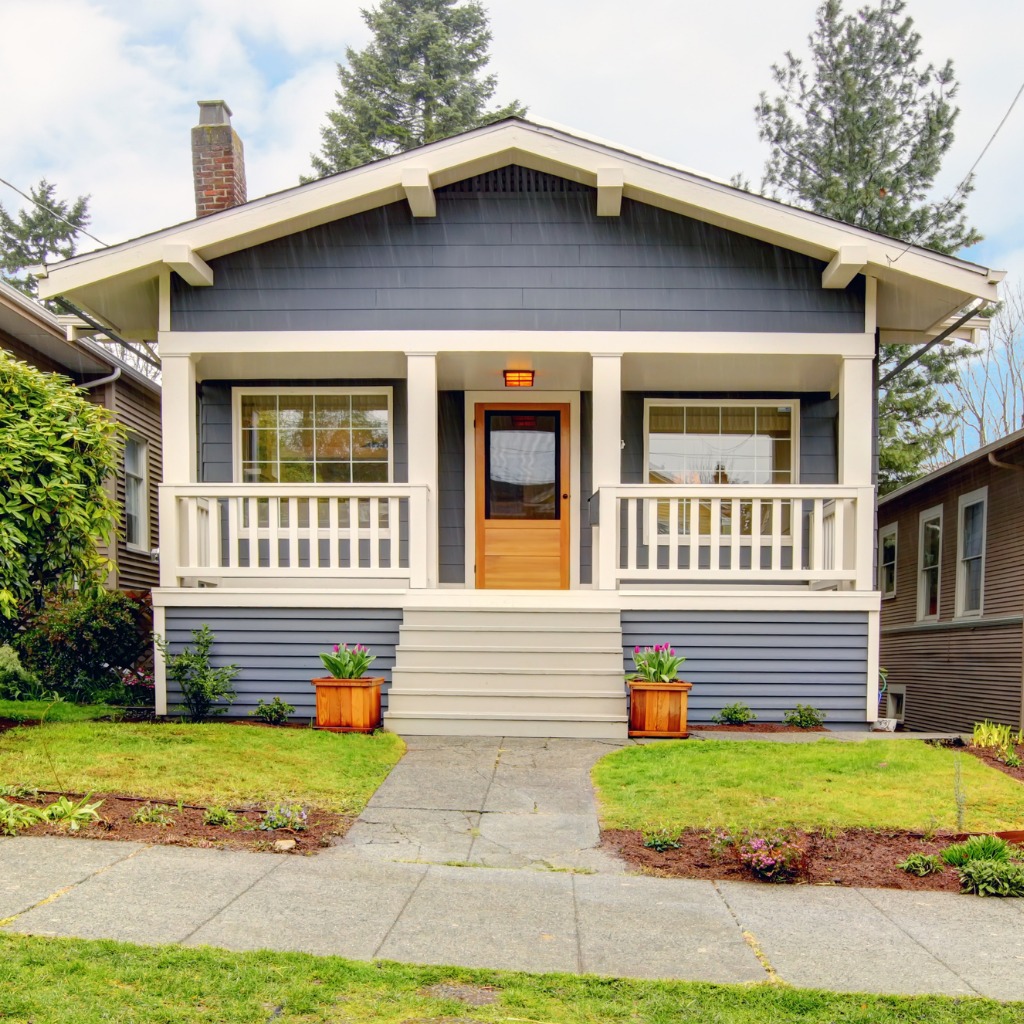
point(421, 374)
point(855, 404)
point(607, 461)
point(178, 427)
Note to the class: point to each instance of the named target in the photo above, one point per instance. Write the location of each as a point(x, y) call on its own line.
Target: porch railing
point(344, 531)
point(819, 536)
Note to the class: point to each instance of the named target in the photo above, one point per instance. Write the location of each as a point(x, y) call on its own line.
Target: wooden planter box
point(658, 709)
point(348, 705)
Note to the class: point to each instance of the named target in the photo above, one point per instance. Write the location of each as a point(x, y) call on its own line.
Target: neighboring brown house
point(32, 333)
point(951, 573)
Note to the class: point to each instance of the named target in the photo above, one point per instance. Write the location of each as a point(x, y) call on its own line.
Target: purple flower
point(336, 648)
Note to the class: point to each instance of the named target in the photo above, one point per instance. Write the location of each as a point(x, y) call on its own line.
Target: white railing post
point(418, 576)
point(169, 537)
point(865, 520)
point(608, 539)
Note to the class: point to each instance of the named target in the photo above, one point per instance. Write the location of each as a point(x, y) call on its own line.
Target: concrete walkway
point(510, 805)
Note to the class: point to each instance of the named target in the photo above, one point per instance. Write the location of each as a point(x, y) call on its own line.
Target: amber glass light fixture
point(518, 378)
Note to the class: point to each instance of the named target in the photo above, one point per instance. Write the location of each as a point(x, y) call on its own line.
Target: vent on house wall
point(513, 179)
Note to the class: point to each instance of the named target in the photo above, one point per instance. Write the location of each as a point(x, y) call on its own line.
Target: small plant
point(19, 791)
point(721, 843)
point(660, 840)
point(72, 815)
point(203, 686)
point(921, 864)
point(959, 794)
point(773, 858)
point(734, 714)
point(153, 814)
point(657, 664)
point(284, 816)
point(16, 682)
point(977, 848)
point(992, 878)
point(1012, 759)
point(274, 713)
point(348, 663)
point(992, 735)
point(220, 816)
point(803, 716)
point(14, 817)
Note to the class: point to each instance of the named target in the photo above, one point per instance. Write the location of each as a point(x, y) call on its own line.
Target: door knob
point(564, 496)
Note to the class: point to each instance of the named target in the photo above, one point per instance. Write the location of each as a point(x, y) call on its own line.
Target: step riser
point(489, 636)
point(496, 660)
point(526, 705)
point(470, 619)
point(484, 727)
point(425, 679)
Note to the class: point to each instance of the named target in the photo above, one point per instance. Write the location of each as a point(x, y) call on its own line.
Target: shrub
point(78, 646)
point(734, 714)
point(921, 864)
point(286, 816)
point(274, 713)
point(992, 878)
point(774, 858)
point(219, 816)
point(202, 685)
point(977, 848)
point(16, 682)
point(804, 717)
point(660, 840)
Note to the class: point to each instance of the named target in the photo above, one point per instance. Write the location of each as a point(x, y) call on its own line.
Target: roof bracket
point(419, 193)
point(609, 191)
point(188, 266)
point(847, 263)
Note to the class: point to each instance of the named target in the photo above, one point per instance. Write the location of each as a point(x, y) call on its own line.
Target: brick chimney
point(218, 162)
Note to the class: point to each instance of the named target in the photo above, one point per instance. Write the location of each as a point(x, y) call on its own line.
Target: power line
point(52, 212)
point(968, 175)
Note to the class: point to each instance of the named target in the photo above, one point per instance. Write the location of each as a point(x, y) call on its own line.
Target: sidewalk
point(524, 805)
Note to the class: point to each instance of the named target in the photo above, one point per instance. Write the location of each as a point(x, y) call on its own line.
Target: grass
point(61, 711)
point(80, 982)
point(903, 784)
point(211, 763)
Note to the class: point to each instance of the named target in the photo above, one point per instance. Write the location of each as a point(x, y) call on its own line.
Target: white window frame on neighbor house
point(141, 513)
point(238, 393)
point(978, 497)
point(793, 404)
point(927, 516)
point(892, 530)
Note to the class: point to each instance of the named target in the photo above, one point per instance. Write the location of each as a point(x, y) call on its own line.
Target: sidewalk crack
point(487, 793)
point(576, 922)
point(398, 916)
point(774, 978)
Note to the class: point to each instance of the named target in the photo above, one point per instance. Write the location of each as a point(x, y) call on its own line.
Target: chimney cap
point(214, 112)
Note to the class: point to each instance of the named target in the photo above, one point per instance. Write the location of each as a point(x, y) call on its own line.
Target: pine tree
point(416, 82)
point(859, 135)
point(44, 232)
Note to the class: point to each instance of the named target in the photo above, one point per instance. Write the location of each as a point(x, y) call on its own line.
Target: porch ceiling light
point(518, 378)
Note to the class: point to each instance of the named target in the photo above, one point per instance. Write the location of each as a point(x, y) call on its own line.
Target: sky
point(102, 93)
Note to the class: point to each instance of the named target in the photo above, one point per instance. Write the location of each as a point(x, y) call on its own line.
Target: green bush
point(203, 686)
point(977, 848)
point(16, 682)
point(804, 717)
point(734, 714)
point(274, 713)
point(660, 840)
point(992, 878)
point(80, 646)
point(921, 864)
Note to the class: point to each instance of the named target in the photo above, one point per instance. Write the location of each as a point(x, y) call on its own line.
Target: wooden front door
point(522, 496)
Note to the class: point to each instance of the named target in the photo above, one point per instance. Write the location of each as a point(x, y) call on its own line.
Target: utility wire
point(52, 212)
point(967, 176)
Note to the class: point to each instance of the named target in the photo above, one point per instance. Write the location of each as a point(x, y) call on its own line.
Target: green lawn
point(70, 981)
point(212, 763)
point(61, 711)
point(903, 784)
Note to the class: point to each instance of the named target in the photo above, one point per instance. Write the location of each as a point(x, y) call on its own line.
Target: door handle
point(564, 497)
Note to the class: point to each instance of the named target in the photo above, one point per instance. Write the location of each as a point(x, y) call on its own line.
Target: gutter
point(103, 380)
point(1004, 465)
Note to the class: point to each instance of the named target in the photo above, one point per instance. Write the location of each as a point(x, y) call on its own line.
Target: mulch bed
point(856, 857)
point(754, 727)
point(991, 758)
point(188, 828)
point(6, 724)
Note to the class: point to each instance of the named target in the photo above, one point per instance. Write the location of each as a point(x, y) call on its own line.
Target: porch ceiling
point(695, 372)
point(300, 365)
point(481, 371)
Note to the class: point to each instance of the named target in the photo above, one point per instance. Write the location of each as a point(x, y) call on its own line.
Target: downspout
point(1003, 465)
point(103, 380)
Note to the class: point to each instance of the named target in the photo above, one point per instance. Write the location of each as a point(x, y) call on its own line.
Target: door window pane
point(522, 465)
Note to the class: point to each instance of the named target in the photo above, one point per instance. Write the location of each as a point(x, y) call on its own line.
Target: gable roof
point(919, 288)
point(1017, 437)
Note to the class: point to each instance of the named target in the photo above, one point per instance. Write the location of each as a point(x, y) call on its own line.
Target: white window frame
point(979, 496)
point(793, 404)
point(237, 393)
point(143, 545)
point(935, 512)
point(892, 529)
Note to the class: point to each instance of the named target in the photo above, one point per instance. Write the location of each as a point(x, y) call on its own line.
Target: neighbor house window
point(929, 563)
point(721, 443)
point(314, 435)
point(136, 492)
point(970, 566)
point(887, 561)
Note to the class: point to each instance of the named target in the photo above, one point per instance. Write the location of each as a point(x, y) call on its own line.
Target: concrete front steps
point(544, 671)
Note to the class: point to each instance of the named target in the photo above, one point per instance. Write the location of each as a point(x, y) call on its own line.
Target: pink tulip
point(336, 648)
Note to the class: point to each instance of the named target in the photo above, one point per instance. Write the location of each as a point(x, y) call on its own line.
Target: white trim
point(733, 403)
point(874, 641)
point(935, 512)
point(143, 515)
point(870, 304)
point(188, 266)
point(236, 416)
point(159, 666)
point(883, 532)
point(847, 263)
point(979, 496)
point(526, 395)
